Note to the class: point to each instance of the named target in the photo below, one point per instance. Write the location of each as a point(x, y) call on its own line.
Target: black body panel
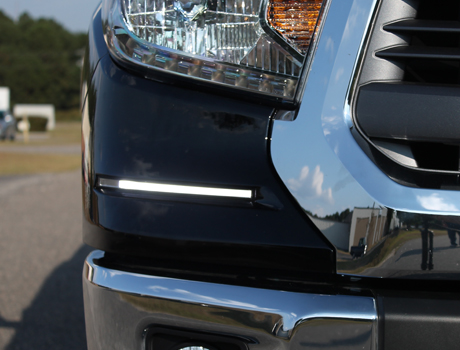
point(143, 130)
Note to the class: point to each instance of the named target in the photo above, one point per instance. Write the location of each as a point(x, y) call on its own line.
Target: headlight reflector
point(257, 45)
point(219, 30)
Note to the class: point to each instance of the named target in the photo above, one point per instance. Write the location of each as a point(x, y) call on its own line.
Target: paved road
point(409, 257)
point(41, 257)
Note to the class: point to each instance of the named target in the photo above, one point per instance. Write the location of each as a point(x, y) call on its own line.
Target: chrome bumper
point(121, 307)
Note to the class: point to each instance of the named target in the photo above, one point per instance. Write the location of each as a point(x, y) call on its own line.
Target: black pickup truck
point(359, 250)
point(233, 153)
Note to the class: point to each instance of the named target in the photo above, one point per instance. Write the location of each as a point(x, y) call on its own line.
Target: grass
point(71, 115)
point(65, 133)
point(27, 162)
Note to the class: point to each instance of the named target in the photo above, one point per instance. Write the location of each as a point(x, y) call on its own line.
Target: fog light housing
point(193, 346)
point(165, 338)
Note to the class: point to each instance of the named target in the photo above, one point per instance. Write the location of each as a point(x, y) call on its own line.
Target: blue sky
point(74, 15)
point(313, 173)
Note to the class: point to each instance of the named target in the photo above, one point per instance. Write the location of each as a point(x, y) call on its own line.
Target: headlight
point(256, 45)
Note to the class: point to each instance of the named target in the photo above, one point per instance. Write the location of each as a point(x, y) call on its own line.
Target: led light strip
point(175, 189)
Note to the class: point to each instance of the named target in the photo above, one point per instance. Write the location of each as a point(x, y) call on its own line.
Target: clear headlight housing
point(256, 45)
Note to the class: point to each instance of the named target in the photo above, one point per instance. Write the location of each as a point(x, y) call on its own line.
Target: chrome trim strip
point(175, 189)
point(326, 96)
point(404, 231)
point(120, 306)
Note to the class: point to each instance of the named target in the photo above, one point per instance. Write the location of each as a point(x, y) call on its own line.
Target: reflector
point(256, 45)
point(223, 30)
point(295, 21)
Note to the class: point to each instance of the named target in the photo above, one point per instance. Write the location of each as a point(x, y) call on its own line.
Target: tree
point(38, 61)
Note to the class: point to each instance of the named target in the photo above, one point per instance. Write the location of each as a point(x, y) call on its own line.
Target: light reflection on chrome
point(379, 227)
point(274, 319)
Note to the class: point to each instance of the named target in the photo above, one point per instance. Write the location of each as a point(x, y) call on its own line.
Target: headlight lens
point(257, 45)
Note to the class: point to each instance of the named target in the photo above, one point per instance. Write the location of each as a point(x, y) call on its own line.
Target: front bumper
point(122, 308)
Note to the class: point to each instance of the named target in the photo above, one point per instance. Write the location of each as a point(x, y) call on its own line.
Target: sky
point(74, 15)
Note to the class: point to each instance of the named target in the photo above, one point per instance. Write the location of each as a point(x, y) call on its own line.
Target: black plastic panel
point(415, 52)
point(409, 112)
point(418, 25)
point(419, 322)
point(407, 95)
point(374, 68)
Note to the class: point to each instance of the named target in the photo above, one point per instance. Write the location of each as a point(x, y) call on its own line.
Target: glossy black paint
point(95, 50)
point(145, 130)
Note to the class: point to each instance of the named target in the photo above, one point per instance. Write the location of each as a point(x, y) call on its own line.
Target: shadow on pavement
point(55, 319)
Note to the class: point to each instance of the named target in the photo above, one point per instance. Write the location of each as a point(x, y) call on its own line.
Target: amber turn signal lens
point(295, 21)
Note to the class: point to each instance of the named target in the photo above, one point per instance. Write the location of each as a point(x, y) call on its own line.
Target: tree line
point(339, 217)
point(40, 61)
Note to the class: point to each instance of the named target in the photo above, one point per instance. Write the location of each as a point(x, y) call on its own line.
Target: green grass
point(29, 163)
